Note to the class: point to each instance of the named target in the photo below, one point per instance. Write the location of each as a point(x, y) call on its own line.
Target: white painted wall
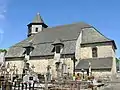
point(78, 46)
point(33, 29)
point(36, 26)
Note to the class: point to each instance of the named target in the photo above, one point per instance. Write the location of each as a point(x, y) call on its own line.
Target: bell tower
point(36, 25)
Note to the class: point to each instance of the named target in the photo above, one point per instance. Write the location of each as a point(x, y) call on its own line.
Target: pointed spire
point(38, 19)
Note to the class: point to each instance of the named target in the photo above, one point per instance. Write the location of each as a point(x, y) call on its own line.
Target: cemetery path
point(114, 85)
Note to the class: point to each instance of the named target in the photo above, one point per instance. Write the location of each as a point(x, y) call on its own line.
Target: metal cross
point(33, 66)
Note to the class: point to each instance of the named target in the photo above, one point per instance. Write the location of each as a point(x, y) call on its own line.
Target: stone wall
point(103, 51)
point(41, 65)
point(18, 63)
point(86, 52)
point(82, 53)
point(101, 73)
point(98, 73)
point(114, 66)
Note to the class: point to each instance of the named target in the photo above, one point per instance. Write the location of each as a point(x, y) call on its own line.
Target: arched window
point(94, 52)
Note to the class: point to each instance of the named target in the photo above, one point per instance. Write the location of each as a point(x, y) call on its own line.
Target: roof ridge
point(102, 34)
point(63, 25)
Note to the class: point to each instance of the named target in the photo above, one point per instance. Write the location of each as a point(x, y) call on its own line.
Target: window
point(36, 29)
point(30, 78)
point(29, 31)
point(57, 49)
point(27, 51)
point(94, 52)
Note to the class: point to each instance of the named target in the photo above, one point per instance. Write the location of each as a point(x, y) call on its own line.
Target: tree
point(3, 50)
point(117, 60)
point(117, 64)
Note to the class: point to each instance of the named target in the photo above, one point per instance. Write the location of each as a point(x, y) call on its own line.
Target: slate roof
point(96, 63)
point(38, 19)
point(57, 41)
point(68, 34)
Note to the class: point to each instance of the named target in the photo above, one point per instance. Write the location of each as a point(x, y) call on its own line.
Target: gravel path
point(112, 87)
point(115, 85)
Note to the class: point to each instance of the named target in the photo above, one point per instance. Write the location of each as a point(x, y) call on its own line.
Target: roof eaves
point(114, 44)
